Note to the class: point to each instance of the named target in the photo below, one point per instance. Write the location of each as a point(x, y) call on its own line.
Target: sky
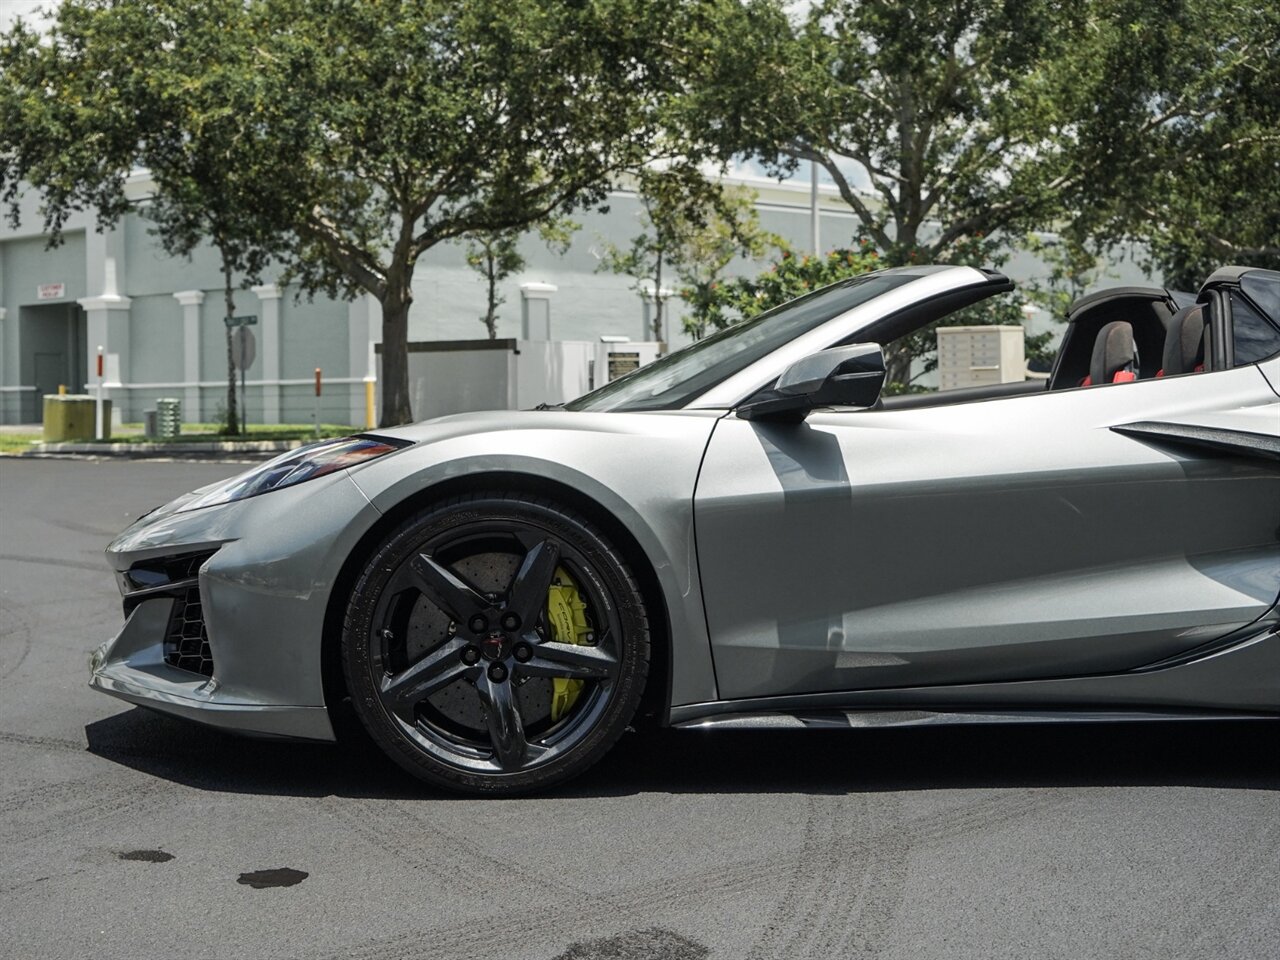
point(10, 10)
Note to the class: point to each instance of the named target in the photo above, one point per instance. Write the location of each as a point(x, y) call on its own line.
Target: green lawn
point(16, 442)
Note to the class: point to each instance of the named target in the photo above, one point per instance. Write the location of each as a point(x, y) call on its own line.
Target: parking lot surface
point(124, 833)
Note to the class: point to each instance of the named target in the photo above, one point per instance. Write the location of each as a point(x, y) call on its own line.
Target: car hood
point(498, 421)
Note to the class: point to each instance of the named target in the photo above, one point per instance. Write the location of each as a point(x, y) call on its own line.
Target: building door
point(53, 349)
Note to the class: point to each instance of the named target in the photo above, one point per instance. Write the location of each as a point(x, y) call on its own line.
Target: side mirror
point(851, 376)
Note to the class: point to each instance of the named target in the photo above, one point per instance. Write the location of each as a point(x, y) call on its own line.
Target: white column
point(364, 332)
point(269, 350)
point(190, 301)
point(107, 323)
point(107, 311)
point(535, 310)
point(649, 298)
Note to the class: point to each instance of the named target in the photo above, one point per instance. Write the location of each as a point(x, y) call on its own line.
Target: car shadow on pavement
point(1230, 754)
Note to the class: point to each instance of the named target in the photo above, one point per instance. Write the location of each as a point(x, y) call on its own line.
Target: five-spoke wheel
point(496, 643)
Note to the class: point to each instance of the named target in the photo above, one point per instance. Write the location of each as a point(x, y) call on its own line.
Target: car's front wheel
point(496, 643)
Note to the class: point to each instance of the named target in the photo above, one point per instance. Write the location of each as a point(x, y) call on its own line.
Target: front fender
point(642, 468)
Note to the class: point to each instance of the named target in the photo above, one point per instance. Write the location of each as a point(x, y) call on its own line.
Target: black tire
point(453, 664)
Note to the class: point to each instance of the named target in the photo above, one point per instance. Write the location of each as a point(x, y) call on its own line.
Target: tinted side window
point(1253, 337)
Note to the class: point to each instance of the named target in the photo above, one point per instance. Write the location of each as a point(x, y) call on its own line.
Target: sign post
point(243, 350)
point(316, 415)
point(97, 406)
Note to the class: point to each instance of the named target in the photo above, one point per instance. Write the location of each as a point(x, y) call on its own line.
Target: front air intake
point(186, 642)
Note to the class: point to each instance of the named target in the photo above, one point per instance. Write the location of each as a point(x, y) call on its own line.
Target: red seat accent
point(1124, 376)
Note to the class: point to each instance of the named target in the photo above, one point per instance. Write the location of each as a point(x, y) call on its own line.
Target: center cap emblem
point(493, 647)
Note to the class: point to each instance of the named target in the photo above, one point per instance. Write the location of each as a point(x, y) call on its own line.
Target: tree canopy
point(378, 128)
point(347, 138)
point(152, 85)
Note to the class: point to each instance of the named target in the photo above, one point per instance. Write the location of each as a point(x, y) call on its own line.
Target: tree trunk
point(491, 316)
point(897, 362)
point(657, 300)
point(396, 408)
point(233, 417)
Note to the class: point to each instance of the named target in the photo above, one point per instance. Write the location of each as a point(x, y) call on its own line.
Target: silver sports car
point(746, 532)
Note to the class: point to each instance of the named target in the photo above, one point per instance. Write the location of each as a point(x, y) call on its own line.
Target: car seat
point(1115, 355)
point(1184, 343)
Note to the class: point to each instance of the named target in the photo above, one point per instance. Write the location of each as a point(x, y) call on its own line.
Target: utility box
point(168, 418)
point(977, 356)
point(617, 356)
point(72, 417)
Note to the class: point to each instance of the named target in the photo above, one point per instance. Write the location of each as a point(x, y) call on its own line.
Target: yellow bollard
point(62, 389)
point(370, 420)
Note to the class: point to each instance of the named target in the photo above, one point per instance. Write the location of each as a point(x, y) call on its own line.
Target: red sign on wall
point(51, 291)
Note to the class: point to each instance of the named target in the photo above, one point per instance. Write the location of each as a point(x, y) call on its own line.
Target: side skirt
point(1239, 681)
point(866, 719)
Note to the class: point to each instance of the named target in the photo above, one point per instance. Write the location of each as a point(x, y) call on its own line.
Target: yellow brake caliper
point(567, 614)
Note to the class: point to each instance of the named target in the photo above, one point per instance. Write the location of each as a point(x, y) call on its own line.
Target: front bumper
point(132, 666)
point(264, 592)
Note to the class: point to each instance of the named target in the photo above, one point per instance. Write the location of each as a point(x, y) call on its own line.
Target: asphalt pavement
point(124, 833)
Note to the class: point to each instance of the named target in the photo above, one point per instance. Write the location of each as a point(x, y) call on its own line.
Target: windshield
point(678, 378)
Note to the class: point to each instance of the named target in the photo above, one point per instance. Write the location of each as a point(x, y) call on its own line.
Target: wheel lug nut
point(478, 624)
point(470, 655)
point(523, 652)
point(497, 672)
point(510, 622)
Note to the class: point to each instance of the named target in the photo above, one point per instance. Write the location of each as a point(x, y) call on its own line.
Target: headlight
point(305, 463)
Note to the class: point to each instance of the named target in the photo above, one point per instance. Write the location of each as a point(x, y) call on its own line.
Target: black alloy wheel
point(456, 665)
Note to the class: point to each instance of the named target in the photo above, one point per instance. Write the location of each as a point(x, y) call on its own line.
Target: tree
point(1206, 189)
point(413, 123)
point(496, 257)
point(377, 128)
point(952, 129)
point(142, 84)
point(731, 231)
point(691, 229)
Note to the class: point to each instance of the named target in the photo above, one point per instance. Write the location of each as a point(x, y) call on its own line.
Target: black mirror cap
point(848, 376)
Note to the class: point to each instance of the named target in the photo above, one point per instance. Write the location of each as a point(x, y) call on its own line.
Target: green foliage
point(410, 123)
point(496, 256)
point(163, 84)
point(789, 277)
point(364, 131)
point(907, 358)
point(1197, 181)
point(730, 231)
point(947, 111)
point(691, 230)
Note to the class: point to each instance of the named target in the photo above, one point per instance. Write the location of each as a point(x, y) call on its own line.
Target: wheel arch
point(655, 705)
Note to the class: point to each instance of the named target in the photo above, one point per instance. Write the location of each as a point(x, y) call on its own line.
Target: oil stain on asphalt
point(279, 877)
point(652, 944)
point(145, 856)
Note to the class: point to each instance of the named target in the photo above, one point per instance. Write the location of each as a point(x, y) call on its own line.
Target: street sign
point(241, 321)
point(244, 347)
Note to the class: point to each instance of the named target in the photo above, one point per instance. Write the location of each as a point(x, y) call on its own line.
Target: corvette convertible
point(747, 533)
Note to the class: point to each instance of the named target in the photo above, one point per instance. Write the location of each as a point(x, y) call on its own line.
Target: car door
point(1014, 538)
